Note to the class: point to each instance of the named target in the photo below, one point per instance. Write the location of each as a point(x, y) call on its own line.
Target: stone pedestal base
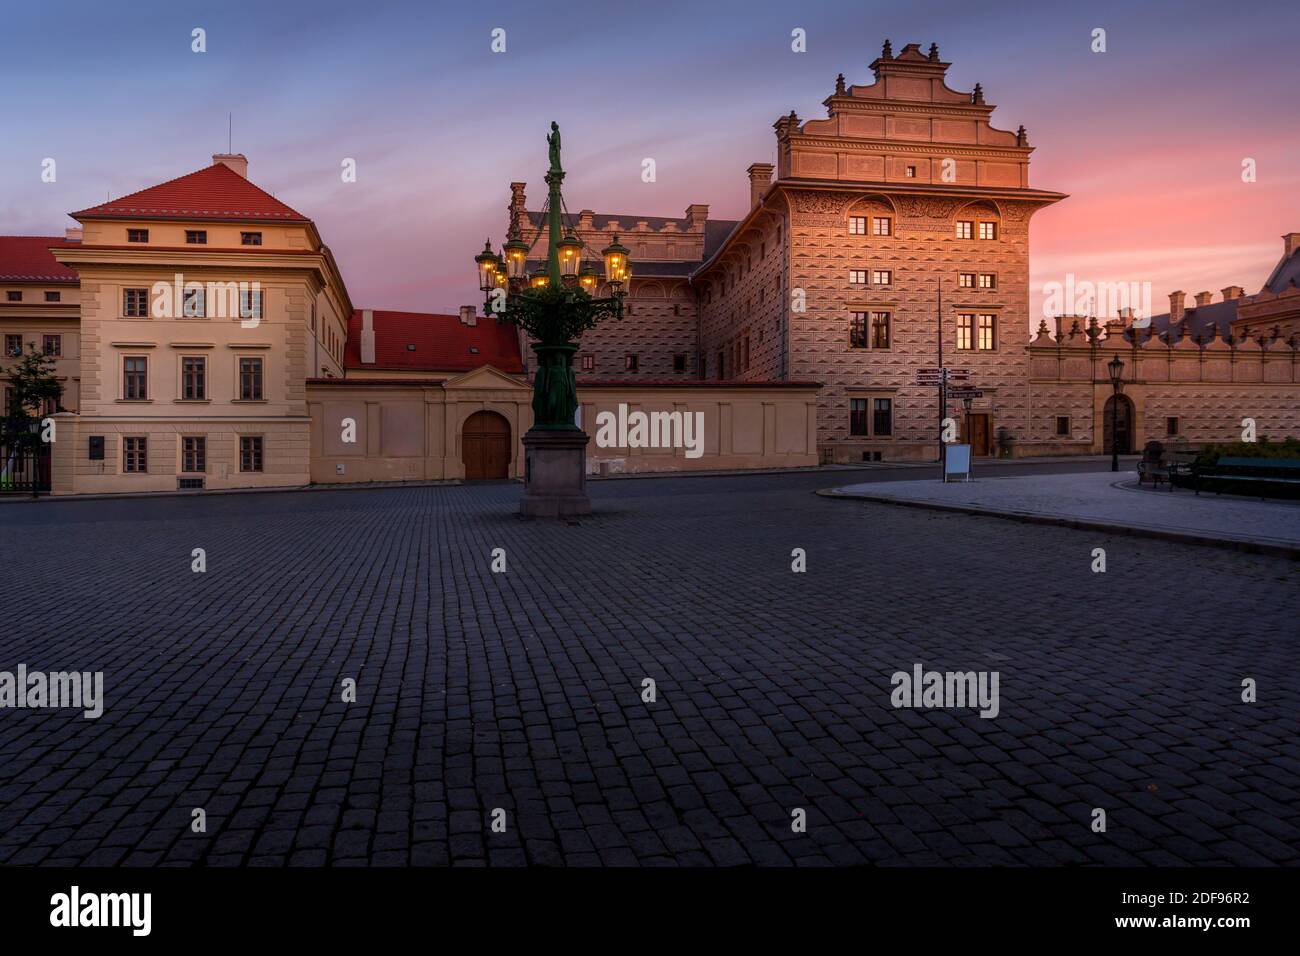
point(555, 474)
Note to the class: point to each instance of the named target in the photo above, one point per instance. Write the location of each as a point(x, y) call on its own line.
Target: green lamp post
point(554, 306)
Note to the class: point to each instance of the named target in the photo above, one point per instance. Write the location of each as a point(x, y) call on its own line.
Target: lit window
point(988, 339)
point(988, 280)
point(965, 229)
point(858, 276)
point(966, 280)
point(857, 225)
point(911, 172)
point(988, 230)
point(883, 277)
point(858, 330)
point(881, 226)
point(965, 331)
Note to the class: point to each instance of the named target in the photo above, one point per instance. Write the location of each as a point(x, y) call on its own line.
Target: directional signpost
point(943, 377)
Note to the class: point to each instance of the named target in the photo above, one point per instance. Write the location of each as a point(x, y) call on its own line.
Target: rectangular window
point(883, 277)
point(880, 330)
point(250, 304)
point(881, 226)
point(988, 230)
point(52, 345)
point(13, 346)
point(858, 276)
point(250, 238)
point(965, 229)
point(966, 280)
point(250, 453)
point(857, 225)
point(679, 362)
point(14, 295)
point(631, 362)
point(194, 453)
point(194, 304)
point(589, 363)
point(1062, 425)
point(1171, 425)
point(988, 280)
point(858, 330)
point(965, 331)
point(911, 172)
point(196, 237)
point(135, 303)
point(194, 373)
point(858, 416)
point(250, 379)
point(722, 366)
point(135, 455)
point(53, 296)
point(137, 235)
point(988, 328)
point(135, 378)
point(882, 416)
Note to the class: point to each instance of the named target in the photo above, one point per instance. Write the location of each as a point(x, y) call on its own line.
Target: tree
point(32, 384)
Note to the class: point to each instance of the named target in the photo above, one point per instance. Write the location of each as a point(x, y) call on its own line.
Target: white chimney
point(468, 316)
point(367, 337)
point(236, 161)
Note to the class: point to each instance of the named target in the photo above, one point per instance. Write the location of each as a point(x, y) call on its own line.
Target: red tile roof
point(216, 192)
point(442, 343)
point(28, 259)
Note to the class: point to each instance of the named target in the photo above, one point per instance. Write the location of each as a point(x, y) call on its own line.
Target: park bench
point(1250, 475)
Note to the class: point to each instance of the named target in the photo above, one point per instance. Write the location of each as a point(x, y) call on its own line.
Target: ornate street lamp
point(1116, 367)
point(554, 306)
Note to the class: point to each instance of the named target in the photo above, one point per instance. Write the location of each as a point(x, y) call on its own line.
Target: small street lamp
point(1116, 367)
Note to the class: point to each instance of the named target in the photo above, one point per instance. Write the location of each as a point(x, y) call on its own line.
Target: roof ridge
point(242, 181)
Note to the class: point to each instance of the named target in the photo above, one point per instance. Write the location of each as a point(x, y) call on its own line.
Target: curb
point(216, 492)
point(1084, 524)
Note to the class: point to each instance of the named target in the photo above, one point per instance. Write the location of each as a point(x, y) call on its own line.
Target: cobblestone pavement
point(523, 690)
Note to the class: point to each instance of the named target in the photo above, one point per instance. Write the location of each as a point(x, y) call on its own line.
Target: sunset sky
point(1148, 138)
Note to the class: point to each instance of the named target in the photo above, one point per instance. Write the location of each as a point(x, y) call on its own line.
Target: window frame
point(253, 454)
point(137, 235)
point(257, 381)
point(54, 338)
point(992, 229)
point(859, 225)
point(965, 229)
point(135, 454)
point(200, 381)
point(140, 376)
point(127, 295)
point(876, 228)
point(196, 237)
point(1063, 432)
point(250, 238)
point(199, 455)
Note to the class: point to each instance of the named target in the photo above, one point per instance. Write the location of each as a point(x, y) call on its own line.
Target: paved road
point(523, 690)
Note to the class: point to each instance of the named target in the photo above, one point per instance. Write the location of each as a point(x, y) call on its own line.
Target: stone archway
point(1117, 423)
point(485, 446)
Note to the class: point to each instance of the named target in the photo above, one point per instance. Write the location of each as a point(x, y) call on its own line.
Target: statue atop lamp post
point(554, 306)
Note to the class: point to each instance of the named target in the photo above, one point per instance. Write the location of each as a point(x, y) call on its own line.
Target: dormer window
point(137, 235)
point(196, 237)
point(410, 348)
point(473, 350)
point(250, 238)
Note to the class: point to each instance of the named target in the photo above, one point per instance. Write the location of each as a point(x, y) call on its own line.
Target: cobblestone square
point(522, 690)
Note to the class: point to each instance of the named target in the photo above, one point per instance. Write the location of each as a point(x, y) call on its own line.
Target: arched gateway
point(485, 446)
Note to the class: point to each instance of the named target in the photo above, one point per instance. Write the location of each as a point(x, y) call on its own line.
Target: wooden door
point(979, 434)
point(485, 446)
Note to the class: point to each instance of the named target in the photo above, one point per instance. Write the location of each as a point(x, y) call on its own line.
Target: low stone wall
point(759, 425)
